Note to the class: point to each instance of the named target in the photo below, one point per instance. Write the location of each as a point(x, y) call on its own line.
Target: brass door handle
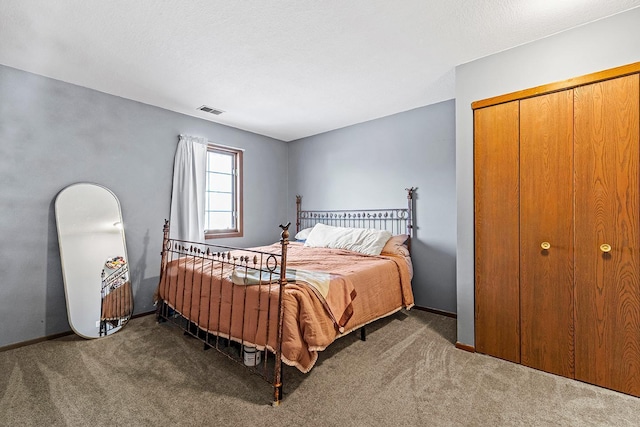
point(605, 247)
point(545, 245)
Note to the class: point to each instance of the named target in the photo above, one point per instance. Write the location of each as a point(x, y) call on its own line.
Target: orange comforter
point(363, 287)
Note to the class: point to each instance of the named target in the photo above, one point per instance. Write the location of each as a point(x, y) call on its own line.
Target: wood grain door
point(496, 164)
point(546, 221)
point(607, 284)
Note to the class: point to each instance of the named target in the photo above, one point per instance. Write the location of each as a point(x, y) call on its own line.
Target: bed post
point(298, 210)
point(165, 247)
point(410, 192)
point(163, 263)
point(277, 374)
point(165, 239)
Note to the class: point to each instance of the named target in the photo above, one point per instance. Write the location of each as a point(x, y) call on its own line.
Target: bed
point(285, 302)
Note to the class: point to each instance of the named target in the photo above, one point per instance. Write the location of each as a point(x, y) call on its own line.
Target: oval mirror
point(93, 253)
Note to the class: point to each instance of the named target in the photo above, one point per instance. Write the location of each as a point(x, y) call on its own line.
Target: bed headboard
point(395, 220)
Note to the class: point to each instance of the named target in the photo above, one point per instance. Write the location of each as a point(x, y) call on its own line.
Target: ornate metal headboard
point(395, 220)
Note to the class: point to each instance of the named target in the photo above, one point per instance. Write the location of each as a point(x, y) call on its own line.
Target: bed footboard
point(229, 298)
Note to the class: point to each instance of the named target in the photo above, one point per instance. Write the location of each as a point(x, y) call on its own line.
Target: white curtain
point(188, 193)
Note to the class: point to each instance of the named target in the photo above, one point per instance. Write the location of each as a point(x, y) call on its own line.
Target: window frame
point(239, 224)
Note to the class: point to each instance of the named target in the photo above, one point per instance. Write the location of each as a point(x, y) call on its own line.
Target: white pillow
point(303, 234)
point(364, 240)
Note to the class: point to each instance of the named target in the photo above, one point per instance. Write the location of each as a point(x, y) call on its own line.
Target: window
point(223, 203)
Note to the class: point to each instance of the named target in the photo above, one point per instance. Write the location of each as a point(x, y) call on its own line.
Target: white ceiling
point(281, 68)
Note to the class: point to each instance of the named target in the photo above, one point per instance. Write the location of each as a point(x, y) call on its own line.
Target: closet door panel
point(607, 284)
point(497, 317)
point(546, 219)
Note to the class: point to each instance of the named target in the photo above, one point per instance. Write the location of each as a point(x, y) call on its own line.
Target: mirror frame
point(64, 259)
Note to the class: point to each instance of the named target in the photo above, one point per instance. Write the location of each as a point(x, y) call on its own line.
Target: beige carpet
point(407, 373)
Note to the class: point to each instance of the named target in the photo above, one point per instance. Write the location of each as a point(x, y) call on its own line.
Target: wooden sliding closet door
point(497, 316)
point(546, 232)
point(607, 278)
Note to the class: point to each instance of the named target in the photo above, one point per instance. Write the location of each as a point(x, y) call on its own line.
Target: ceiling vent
point(211, 110)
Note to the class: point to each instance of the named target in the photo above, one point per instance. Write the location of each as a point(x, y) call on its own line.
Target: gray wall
point(369, 165)
point(594, 47)
point(53, 134)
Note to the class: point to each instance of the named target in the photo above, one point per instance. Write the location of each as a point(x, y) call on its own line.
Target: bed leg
point(159, 309)
point(363, 334)
point(277, 394)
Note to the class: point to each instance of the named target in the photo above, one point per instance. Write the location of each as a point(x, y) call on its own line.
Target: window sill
point(223, 234)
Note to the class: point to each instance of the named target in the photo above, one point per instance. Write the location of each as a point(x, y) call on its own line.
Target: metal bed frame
point(269, 265)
